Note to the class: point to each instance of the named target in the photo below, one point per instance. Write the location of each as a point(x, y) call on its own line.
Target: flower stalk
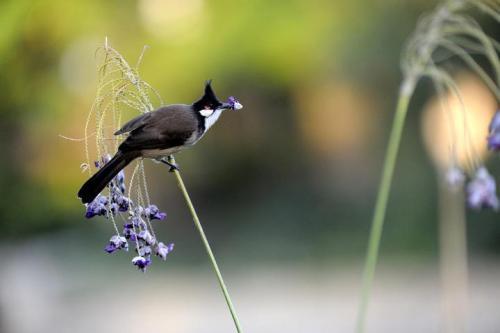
point(206, 244)
point(447, 29)
point(405, 95)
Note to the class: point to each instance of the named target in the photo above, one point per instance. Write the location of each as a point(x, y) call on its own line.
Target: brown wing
point(167, 127)
point(135, 123)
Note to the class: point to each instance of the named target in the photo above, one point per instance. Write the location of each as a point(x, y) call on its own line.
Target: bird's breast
point(158, 153)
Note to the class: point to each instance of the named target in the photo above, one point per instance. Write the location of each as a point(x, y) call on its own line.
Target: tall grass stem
point(405, 95)
point(453, 258)
point(206, 244)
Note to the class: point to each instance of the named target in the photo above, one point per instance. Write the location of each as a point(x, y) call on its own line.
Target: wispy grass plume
point(448, 31)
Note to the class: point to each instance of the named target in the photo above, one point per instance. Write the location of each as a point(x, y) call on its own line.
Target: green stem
point(204, 239)
point(405, 94)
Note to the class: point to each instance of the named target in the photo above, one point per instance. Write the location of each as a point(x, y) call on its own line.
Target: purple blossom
point(136, 229)
point(495, 123)
point(141, 262)
point(144, 251)
point(120, 181)
point(123, 203)
point(494, 141)
point(106, 158)
point(97, 207)
point(163, 250)
point(234, 103)
point(128, 232)
point(153, 213)
point(138, 222)
point(481, 191)
point(454, 177)
point(116, 243)
point(146, 237)
point(114, 207)
point(494, 133)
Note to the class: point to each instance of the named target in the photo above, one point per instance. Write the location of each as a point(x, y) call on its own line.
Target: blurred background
point(285, 188)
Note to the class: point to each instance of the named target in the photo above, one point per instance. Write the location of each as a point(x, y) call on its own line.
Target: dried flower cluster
point(137, 226)
point(120, 90)
point(449, 32)
point(481, 189)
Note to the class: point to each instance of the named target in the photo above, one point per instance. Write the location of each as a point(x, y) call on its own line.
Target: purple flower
point(495, 123)
point(114, 207)
point(454, 177)
point(141, 262)
point(163, 250)
point(234, 103)
point(153, 213)
point(120, 181)
point(123, 203)
point(136, 228)
point(494, 133)
point(128, 232)
point(144, 251)
point(494, 141)
point(106, 158)
point(116, 243)
point(146, 237)
point(138, 222)
point(481, 191)
point(97, 207)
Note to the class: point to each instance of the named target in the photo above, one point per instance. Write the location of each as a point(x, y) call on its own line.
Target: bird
point(159, 134)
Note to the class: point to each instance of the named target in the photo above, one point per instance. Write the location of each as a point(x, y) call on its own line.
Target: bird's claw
point(173, 166)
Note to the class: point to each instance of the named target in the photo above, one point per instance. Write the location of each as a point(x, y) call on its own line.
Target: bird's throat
point(210, 120)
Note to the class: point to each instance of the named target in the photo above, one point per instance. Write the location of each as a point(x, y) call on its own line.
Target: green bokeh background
point(289, 180)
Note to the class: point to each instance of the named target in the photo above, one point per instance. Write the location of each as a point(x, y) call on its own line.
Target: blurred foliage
point(294, 174)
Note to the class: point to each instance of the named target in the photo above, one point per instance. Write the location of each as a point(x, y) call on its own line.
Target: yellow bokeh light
point(444, 123)
point(173, 19)
point(335, 117)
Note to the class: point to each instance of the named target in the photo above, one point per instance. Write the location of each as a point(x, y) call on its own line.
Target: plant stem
point(204, 239)
point(452, 257)
point(405, 95)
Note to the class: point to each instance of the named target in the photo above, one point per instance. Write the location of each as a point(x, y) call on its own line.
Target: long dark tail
point(97, 182)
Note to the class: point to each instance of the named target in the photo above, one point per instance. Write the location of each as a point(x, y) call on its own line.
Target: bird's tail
point(98, 181)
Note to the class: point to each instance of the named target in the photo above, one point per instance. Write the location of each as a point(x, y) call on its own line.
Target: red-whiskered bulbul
point(159, 134)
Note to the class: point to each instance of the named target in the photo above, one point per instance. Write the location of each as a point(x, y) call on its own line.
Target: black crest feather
point(209, 99)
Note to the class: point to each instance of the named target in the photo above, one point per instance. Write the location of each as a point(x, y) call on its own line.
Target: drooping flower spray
point(446, 32)
point(127, 204)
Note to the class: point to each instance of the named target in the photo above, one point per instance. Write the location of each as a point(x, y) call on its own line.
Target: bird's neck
point(212, 119)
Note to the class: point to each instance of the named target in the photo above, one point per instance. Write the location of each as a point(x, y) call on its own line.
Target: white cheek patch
point(206, 112)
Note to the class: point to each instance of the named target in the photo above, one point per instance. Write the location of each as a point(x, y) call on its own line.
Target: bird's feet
point(169, 161)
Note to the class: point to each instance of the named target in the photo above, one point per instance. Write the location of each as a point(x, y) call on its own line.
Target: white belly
point(158, 153)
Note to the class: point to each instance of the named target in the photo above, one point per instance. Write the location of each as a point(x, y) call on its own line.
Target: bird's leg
point(168, 161)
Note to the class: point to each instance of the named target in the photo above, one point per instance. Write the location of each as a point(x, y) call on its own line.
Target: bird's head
point(209, 103)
